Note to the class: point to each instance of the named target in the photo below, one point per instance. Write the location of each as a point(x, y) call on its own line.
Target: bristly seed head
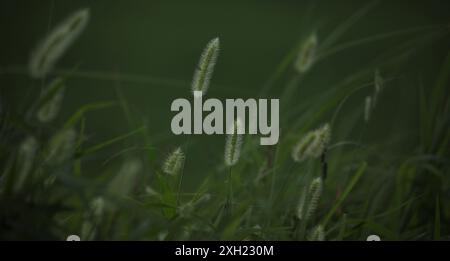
point(302, 149)
point(307, 54)
point(314, 193)
point(317, 234)
point(52, 97)
point(313, 144)
point(61, 147)
point(174, 162)
point(25, 159)
point(205, 69)
point(379, 84)
point(322, 138)
point(378, 81)
point(233, 144)
point(56, 43)
point(125, 180)
point(97, 208)
point(367, 108)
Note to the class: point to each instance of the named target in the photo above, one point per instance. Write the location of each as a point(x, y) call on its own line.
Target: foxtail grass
point(233, 144)
point(126, 178)
point(313, 144)
point(367, 108)
point(174, 162)
point(55, 44)
point(307, 54)
point(317, 234)
point(52, 97)
point(205, 69)
point(61, 147)
point(25, 159)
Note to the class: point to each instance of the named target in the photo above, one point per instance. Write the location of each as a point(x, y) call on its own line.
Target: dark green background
point(162, 40)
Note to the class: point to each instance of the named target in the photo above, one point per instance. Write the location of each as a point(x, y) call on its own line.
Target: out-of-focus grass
point(393, 182)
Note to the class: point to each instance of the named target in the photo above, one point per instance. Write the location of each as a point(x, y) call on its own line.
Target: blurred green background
point(158, 43)
point(148, 50)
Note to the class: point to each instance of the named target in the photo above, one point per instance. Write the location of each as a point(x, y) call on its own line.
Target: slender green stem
point(230, 192)
point(180, 182)
point(141, 79)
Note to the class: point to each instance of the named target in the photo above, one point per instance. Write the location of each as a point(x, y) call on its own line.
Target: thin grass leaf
point(107, 143)
point(344, 26)
point(346, 192)
point(87, 108)
point(437, 221)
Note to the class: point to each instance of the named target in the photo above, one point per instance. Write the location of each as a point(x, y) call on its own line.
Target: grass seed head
point(314, 193)
point(367, 108)
point(205, 68)
point(186, 209)
point(378, 81)
point(174, 162)
point(301, 150)
point(307, 54)
point(25, 159)
point(203, 199)
point(322, 138)
point(313, 144)
point(125, 179)
point(53, 95)
point(149, 191)
point(61, 147)
point(88, 230)
point(379, 84)
point(97, 208)
point(233, 144)
point(317, 234)
point(48, 52)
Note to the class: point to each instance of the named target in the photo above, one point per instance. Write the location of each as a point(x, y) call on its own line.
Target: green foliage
point(56, 179)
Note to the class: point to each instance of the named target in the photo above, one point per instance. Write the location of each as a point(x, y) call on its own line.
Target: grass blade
point(348, 189)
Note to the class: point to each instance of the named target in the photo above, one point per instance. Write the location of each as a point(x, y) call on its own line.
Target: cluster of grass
point(322, 181)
